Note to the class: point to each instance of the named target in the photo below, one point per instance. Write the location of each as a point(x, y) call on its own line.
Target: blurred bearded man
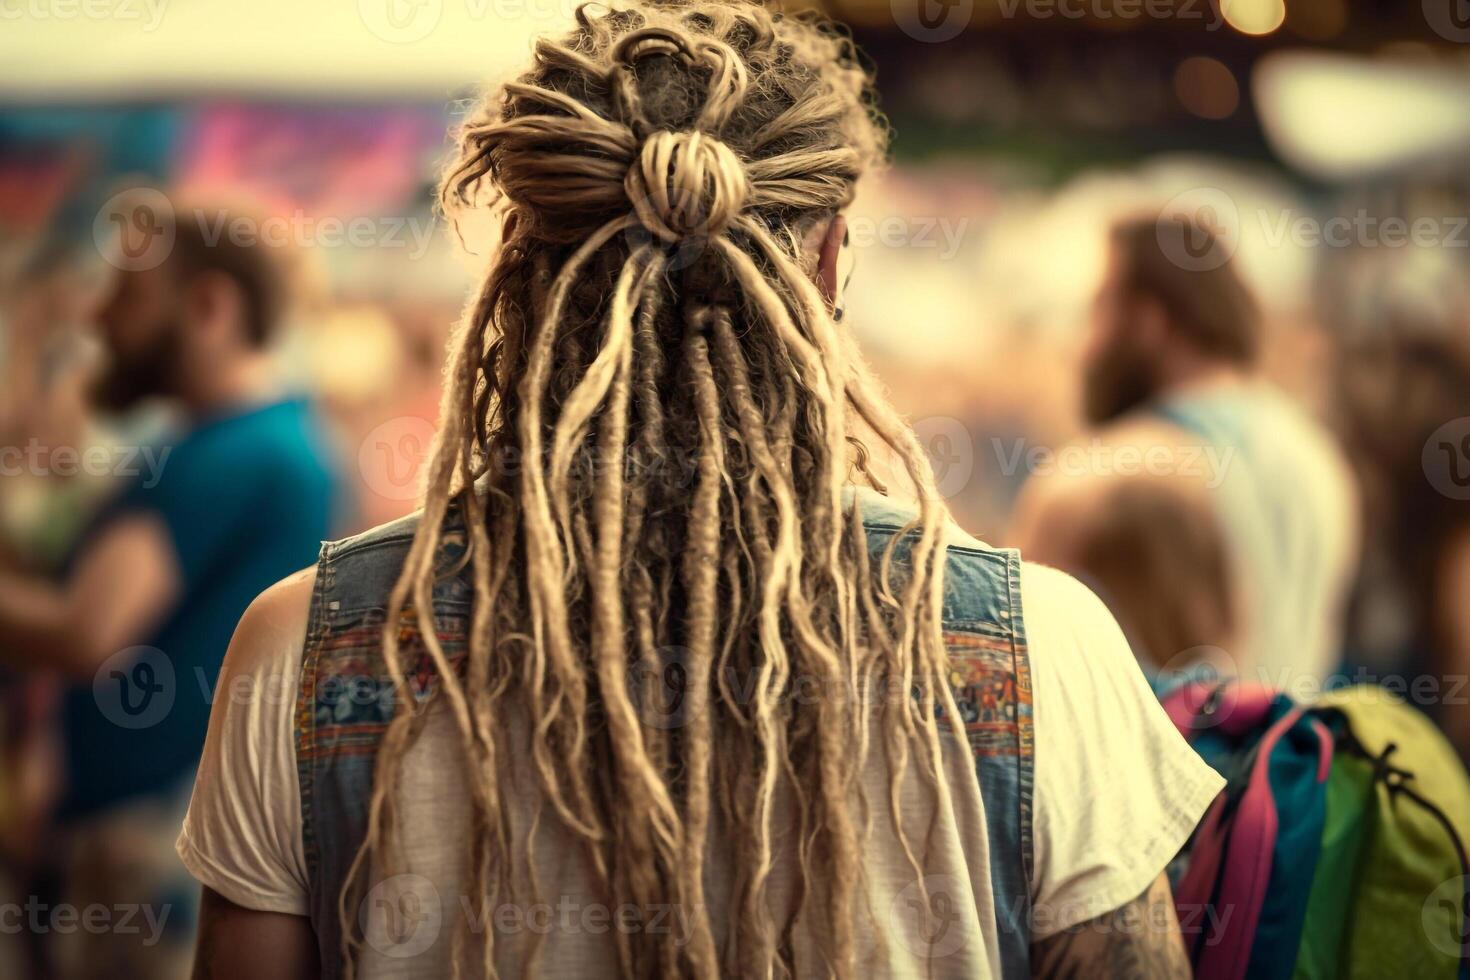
point(238, 497)
point(1170, 381)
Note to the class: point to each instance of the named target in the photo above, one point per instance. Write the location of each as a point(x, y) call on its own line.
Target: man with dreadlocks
point(662, 680)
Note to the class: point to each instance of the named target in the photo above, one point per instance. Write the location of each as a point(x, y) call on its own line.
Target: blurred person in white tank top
point(1171, 389)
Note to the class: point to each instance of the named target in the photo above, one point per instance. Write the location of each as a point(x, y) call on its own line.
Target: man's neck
point(1198, 377)
point(242, 381)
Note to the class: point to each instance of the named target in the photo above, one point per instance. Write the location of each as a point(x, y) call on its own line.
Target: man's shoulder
point(1070, 630)
point(1060, 598)
point(1142, 428)
point(362, 569)
point(1299, 437)
point(1079, 656)
point(271, 635)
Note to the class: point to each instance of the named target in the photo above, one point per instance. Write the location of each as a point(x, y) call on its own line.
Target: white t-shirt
point(1288, 512)
point(1117, 793)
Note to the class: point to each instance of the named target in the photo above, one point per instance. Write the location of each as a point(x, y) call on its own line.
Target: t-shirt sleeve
point(242, 834)
point(1118, 790)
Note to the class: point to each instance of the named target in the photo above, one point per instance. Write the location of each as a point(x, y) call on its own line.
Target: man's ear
point(212, 300)
point(1151, 325)
point(827, 257)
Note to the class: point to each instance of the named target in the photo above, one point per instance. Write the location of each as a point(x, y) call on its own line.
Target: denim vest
point(345, 704)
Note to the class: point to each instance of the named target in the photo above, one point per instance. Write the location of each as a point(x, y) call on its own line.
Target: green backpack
point(1391, 895)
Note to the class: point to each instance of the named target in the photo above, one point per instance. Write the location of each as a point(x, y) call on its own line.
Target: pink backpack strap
point(1230, 862)
point(1193, 891)
point(1231, 707)
point(1240, 856)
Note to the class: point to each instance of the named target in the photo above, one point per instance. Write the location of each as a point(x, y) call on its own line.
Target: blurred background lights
point(1253, 16)
point(1206, 87)
point(1338, 115)
point(1317, 20)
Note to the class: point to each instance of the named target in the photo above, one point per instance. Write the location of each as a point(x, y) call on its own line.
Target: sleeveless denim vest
point(346, 701)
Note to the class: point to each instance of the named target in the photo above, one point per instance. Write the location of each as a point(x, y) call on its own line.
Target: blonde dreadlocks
point(646, 432)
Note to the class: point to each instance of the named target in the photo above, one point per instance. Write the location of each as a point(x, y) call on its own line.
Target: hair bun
point(686, 184)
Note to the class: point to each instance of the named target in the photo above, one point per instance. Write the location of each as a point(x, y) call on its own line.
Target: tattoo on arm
point(1140, 941)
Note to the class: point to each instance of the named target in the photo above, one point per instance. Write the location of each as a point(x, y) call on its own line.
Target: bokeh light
point(1206, 87)
point(1255, 17)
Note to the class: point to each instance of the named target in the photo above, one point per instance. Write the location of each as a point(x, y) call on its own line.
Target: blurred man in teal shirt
point(238, 498)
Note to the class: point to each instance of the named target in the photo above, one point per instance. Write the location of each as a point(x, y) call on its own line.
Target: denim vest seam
point(1025, 730)
point(318, 624)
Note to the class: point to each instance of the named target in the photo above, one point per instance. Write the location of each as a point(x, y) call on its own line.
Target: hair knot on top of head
point(686, 184)
point(682, 117)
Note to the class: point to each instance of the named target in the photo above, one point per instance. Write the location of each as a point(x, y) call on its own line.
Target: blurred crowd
point(1165, 375)
point(1280, 499)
